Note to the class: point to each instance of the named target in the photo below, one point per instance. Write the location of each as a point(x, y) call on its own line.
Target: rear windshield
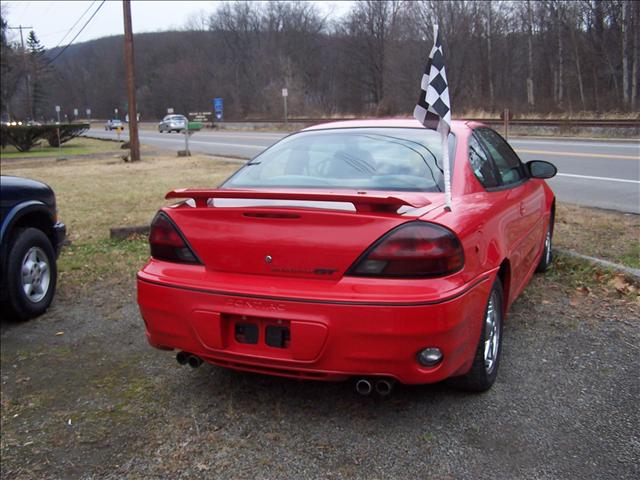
point(352, 158)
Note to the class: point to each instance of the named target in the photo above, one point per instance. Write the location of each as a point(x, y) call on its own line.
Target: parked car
point(332, 255)
point(113, 124)
point(172, 123)
point(30, 240)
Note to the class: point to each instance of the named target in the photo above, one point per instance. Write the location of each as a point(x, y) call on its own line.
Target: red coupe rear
point(331, 255)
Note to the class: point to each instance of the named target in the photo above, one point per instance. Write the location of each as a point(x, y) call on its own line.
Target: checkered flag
point(433, 104)
point(434, 109)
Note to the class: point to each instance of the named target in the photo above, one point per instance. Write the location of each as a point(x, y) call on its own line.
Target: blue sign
point(218, 107)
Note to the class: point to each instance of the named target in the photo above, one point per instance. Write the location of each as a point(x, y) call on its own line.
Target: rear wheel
point(484, 369)
point(31, 273)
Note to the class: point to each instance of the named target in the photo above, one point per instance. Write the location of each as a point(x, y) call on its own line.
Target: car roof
point(456, 125)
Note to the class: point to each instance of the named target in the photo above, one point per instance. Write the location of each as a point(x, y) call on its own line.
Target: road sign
point(169, 110)
point(88, 111)
point(58, 108)
point(218, 107)
point(285, 92)
point(204, 117)
point(75, 112)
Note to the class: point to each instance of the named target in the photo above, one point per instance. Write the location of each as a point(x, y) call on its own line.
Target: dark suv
point(30, 241)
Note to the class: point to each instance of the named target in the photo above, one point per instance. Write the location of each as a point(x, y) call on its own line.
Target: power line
point(79, 32)
point(74, 25)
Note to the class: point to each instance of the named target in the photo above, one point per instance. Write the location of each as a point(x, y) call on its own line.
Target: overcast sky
point(51, 20)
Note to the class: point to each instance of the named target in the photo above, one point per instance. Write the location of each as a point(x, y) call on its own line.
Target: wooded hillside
point(531, 56)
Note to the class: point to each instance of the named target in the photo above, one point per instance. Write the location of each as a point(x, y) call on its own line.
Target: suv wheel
point(31, 273)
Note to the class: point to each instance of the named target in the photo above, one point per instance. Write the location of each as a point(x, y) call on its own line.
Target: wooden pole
point(131, 86)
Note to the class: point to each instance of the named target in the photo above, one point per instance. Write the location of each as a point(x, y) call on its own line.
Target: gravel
point(83, 396)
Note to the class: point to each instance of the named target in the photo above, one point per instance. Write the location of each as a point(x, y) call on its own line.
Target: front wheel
point(484, 369)
point(31, 273)
point(547, 253)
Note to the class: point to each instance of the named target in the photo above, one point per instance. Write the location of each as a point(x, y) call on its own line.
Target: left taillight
point(167, 243)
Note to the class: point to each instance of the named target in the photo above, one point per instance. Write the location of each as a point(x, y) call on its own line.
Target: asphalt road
point(604, 174)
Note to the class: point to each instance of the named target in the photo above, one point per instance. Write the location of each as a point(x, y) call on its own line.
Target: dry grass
point(95, 194)
point(599, 233)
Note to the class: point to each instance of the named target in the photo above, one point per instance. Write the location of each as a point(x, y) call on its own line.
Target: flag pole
point(433, 109)
point(446, 167)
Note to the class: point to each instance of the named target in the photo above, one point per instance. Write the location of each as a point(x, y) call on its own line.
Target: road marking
point(606, 179)
point(576, 154)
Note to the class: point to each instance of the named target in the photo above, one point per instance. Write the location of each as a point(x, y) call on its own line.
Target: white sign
point(88, 112)
point(58, 108)
point(115, 110)
point(285, 92)
point(169, 110)
point(75, 112)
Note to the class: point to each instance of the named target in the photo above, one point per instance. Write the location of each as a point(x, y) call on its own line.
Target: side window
point(482, 166)
point(509, 165)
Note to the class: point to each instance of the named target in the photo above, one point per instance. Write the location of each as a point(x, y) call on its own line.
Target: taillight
point(167, 243)
point(415, 249)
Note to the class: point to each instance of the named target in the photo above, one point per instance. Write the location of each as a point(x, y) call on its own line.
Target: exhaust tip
point(182, 358)
point(384, 387)
point(363, 386)
point(194, 361)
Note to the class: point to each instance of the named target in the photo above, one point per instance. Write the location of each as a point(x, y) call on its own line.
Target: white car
point(172, 123)
point(113, 124)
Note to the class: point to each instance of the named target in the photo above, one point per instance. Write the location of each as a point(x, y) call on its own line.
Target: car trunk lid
point(317, 234)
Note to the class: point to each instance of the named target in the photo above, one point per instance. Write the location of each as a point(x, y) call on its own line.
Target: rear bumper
point(329, 341)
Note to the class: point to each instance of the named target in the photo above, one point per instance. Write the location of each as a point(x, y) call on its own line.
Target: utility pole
point(134, 143)
point(26, 72)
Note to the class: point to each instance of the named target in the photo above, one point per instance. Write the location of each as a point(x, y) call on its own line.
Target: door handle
point(522, 208)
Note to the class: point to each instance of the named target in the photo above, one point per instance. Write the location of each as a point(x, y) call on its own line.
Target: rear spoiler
point(364, 202)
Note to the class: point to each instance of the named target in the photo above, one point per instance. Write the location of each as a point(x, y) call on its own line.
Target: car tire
point(547, 253)
point(486, 361)
point(31, 273)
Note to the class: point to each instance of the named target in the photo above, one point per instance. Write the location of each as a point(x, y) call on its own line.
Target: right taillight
point(415, 249)
point(167, 243)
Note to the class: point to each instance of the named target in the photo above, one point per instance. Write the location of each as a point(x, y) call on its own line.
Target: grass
point(100, 192)
point(97, 193)
point(77, 146)
point(599, 233)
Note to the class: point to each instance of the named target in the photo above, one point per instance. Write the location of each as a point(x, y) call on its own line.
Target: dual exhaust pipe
point(382, 386)
point(185, 358)
point(364, 386)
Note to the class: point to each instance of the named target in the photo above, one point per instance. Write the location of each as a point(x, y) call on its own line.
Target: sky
point(51, 20)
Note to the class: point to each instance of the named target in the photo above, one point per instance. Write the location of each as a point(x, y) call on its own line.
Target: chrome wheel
point(547, 247)
point(491, 332)
point(36, 274)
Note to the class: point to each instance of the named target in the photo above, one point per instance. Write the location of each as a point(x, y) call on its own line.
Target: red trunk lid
point(296, 234)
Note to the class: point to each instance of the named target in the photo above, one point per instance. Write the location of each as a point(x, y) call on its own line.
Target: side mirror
point(541, 169)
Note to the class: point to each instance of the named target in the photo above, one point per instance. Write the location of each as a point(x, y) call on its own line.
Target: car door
point(522, 203)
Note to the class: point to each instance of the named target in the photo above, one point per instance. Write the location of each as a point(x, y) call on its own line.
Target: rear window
point(405, 159)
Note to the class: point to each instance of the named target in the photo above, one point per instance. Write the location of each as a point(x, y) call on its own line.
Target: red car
point(332, 255)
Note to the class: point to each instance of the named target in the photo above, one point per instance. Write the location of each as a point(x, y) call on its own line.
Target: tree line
point(535, 57)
